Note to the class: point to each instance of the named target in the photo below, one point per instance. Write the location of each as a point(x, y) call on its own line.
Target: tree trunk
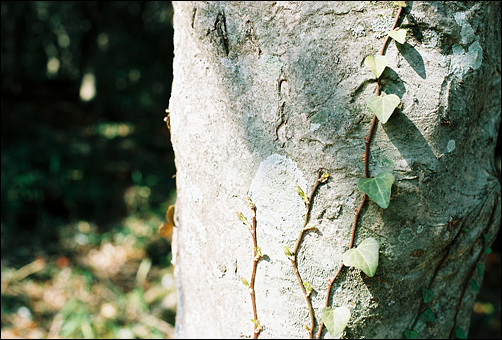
point(267, 93)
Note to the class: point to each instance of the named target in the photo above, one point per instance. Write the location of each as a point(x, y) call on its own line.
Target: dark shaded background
point(85, 181)
point(74, 164)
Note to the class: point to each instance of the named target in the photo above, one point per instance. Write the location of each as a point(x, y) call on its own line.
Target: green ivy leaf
point(459, 332)
point(474, 285)
point(383, 106)
point(480, 269)
point(428, 315)
point(427, 295)
point(300, 192)
point(376, 63)
point(409, 334)
point(399, 35)
point(335, 319)
point(378, 188)
point(488, 250)
point(245, 281)
point(308, 287)
point(256, 324)
point(243, 219)
point(364, 256)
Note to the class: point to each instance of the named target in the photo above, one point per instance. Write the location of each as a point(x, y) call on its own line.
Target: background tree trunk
point(265, 94)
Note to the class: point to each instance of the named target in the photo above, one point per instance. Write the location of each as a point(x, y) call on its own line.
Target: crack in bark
point(194, 12)
point(251, 37)
point(281, 126)
point(220, 29)
point(220, 26)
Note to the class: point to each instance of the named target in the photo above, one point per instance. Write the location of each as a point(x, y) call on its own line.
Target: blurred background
point(87, 169)
point(87, 174)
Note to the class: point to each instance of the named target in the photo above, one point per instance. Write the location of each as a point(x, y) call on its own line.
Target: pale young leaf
point(383, 106)
point(376, 63)
point(399, 35)
point(364, 256)
point(335, 319)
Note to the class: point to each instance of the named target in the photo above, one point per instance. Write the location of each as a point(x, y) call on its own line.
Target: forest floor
point(104, 286)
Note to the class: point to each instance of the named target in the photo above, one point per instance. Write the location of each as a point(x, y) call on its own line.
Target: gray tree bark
point(265, 94)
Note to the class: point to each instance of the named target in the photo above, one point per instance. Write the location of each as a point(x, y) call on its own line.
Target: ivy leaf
point(245, 282)
point(409, 334)
point(480, 269)
point(459, 332)
point(244, 220)
point(428, 315)
point(383, 106)
point(474, 285)
point(257, 325)
point(364, 256)
point(378, 188)
point(488, 250)
point(398, 35)
point(335, 319)
point(308, 287)
point(427, 295)
point(376, 63)
point(300, 192)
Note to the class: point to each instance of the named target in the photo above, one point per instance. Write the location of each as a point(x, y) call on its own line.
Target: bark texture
point(265, 94)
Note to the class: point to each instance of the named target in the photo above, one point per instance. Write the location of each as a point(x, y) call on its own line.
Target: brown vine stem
point(307, 214)
point(367, 141)
point(321, 178)
point(256, 258)
point(311, 310)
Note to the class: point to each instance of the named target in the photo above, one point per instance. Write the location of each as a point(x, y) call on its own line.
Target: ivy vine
point(365, 255)
point(257, 256)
